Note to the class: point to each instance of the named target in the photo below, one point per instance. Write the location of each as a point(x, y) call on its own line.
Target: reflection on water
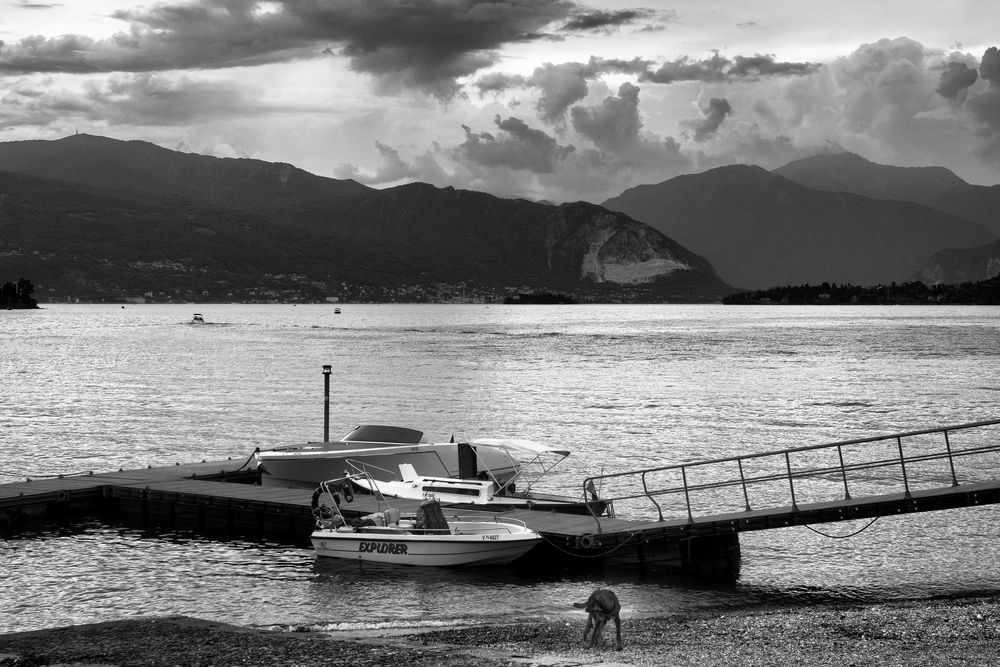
point(624, 387)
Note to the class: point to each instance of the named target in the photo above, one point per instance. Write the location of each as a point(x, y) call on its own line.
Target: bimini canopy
point(514, 446)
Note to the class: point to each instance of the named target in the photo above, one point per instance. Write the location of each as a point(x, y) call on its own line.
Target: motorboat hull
point(472, 544)
point(306, 467)
point(378, 449)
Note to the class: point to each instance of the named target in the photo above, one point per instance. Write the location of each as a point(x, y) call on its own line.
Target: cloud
point(498, 82)
point(989, 68)
point(893, 101)
point(956, 78)
point(885, 83)
point(393, 168)
point(602, 21)
point(518, 146)
point(887, 100)
point(145, 99)
point(426, 45)
point(758, 66)
point(614, 123)
point(560, 86)
point(985, 107)
point(718, 69)
point(712, 116)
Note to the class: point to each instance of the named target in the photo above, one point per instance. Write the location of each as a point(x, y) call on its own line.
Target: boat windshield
point(376, 433)
point(531, 460)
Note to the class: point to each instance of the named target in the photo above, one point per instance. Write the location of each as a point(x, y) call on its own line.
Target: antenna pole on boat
point(327, 369)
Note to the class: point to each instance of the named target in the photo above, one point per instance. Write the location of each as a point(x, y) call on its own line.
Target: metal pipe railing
point(841, 469)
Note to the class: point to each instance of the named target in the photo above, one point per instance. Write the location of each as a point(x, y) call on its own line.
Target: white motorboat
point(427, 538)
point(381, 447)
point(198, 319)
point(531, 460)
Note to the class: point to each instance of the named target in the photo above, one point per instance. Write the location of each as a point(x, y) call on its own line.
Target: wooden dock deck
point(220, 498)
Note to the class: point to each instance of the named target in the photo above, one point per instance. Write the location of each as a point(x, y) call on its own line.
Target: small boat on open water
point(427, 538)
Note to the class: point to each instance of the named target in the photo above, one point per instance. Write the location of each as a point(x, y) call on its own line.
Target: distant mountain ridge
point(96, 217)
point(760, 229)
point(106, 163)
point(936, 187)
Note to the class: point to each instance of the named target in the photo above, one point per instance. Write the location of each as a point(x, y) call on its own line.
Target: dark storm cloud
point(605, 20)
point(719, 68)
point(518, 146)
point(985, 107)
point(615, 123)
point(418, 44)
point(757, 66)
point(718, 109)
point(956, 78)
point(989, 68)
point(685, 69)
point(497, 82)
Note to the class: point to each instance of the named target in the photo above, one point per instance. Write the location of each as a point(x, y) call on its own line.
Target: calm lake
point(104, 387)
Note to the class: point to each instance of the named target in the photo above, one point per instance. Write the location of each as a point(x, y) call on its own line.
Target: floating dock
point(910, 472)
point(222, 500)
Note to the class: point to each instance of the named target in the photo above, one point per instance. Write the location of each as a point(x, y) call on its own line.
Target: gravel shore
point(941, 632)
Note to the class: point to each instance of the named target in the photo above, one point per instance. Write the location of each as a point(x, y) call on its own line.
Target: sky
point(553, 100)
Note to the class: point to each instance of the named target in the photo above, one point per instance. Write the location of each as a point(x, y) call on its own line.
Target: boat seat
point(377, 519)
point(430, 516)
point(392, 516)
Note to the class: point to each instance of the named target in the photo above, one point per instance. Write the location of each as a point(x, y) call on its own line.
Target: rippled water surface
point(102, 387)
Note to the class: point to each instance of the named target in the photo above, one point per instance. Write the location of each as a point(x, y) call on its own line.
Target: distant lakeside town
point(19, 295)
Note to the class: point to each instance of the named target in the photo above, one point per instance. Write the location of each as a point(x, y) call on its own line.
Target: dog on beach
point(601, 606)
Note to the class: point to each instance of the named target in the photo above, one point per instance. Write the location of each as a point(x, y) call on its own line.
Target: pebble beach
point(953, 631)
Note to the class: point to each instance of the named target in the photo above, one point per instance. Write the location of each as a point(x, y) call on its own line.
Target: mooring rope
point(600, 555)
point(250, 458)
point(843, 537)
point(56, 476)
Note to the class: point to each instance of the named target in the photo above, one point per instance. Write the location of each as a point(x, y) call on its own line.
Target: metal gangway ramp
point(916, 471)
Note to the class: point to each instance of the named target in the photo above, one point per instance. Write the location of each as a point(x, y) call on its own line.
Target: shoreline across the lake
point(949, 631)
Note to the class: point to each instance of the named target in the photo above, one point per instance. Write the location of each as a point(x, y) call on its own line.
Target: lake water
point(104, 387)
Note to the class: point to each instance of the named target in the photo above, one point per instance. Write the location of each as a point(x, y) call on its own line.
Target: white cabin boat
point(426, 539)
point(382, 448)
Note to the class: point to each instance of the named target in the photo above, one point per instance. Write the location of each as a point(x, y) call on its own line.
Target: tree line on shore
point(986, 292)
point(17, 295)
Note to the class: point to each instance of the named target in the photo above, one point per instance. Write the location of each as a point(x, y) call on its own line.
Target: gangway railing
point(896, 463)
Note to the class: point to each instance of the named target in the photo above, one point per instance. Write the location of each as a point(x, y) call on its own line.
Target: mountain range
point(100, 219)
point(845, 221)
point(95, 218)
